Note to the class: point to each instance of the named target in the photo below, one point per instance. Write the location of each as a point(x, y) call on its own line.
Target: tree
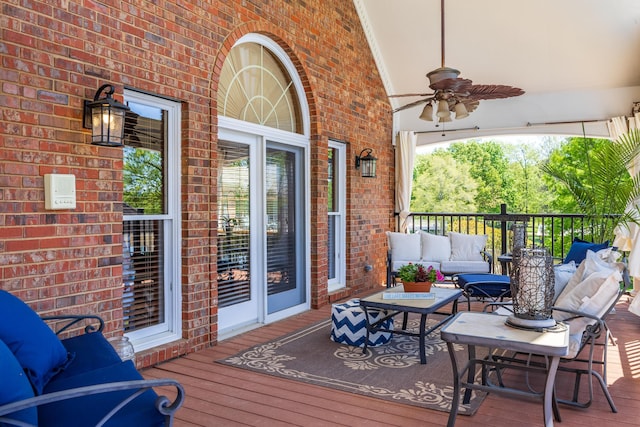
point(442, 185)
point(488, 166)
point(527, 191)
point(595, 173)
point(142, 176)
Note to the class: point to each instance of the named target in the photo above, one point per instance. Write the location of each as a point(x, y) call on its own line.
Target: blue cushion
point(486, 285)
point(35, 345)
point(88, 410)
point(91, 351)
point(578, 250)
point(15, 386)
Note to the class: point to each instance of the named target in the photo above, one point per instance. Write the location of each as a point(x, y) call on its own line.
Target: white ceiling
point(576, 60)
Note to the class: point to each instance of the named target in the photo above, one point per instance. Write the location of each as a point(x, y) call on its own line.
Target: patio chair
point(583, 307)
point(79, 380)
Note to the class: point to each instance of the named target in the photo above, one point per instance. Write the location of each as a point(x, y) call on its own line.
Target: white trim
point(373, 46)
point(340, 281)
point(291, 69)
point(171, 329)
point(230, 128)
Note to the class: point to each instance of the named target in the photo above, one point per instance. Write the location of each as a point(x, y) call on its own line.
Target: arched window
point(255, 87)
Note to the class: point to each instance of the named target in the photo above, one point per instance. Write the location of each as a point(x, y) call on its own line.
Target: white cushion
point(395, 265)
point(591, 264)
point(467, 247)
point(450, 267)
point(563, 273)
point(574, 298)
point(597, 304)
point(435, 248)
point(575, 341)
point(405, 247)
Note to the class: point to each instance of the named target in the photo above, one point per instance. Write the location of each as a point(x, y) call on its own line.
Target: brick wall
point(56, 54)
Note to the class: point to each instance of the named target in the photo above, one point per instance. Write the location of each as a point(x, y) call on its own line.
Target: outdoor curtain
point(628, 237)
point(405, 153)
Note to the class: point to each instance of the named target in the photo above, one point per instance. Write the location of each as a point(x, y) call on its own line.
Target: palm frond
point(604, 190)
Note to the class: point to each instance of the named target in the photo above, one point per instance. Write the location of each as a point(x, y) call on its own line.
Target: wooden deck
point(219, 395)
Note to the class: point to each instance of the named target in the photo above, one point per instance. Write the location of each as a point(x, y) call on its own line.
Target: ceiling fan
point(453, 94)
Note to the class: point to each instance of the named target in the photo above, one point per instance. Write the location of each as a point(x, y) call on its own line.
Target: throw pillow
point(596, 304)
point(15, 386)
point(467, 247)
point(435, 248)
point(591, 264)
point(563, 274)
point(35, 345)
point(572, 299)
point(404, 247)
point(578, 250)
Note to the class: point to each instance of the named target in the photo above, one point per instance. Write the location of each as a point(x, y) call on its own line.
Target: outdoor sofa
point(451, 254)
point(78, 381)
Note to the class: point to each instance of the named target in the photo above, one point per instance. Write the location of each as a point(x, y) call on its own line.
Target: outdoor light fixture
point(367, 162)
point(105, 118)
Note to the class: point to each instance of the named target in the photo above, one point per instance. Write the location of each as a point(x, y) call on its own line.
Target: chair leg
point(591, 374)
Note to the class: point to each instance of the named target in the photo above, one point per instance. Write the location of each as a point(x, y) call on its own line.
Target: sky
point(532, 140)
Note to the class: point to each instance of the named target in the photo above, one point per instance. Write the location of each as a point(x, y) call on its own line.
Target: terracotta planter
point(416, 286)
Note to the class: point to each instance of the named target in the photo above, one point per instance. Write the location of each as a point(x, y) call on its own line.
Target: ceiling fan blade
point(455, 85)
point(478, 92)
point(412, 104)
point(411, 94)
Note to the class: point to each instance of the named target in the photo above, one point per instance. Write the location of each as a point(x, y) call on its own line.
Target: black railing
point(552, 231)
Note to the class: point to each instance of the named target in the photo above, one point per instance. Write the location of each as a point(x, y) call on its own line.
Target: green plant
point(601, 186)
point(418, 273)
point(228, 221)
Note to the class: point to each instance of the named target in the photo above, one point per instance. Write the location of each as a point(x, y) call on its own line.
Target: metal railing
point(552, 231)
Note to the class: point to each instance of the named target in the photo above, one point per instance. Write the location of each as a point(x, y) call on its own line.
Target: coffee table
point(489, 330)
point(423, 307)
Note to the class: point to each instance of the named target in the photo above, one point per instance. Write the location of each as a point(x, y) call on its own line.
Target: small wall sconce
point(105, 118)
point(367, 162)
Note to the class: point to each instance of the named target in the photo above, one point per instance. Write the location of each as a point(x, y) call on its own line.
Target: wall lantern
point(105, 118)
point(367, 163)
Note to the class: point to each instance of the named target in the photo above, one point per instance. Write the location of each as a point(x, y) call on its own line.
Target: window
point(256, 88)
point(336, 201)
point(151, 257)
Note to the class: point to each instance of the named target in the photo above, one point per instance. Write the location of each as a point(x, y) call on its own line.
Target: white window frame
point(340, 175)
point(171, 329)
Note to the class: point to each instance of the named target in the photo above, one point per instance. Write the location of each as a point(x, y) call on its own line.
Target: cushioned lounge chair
point(583, 306)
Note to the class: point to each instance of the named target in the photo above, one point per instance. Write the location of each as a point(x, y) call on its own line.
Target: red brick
point(52, 59)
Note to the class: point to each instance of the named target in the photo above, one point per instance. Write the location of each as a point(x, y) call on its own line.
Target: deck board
point(220, 395)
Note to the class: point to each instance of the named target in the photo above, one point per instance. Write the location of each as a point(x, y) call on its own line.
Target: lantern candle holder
point(532, 289)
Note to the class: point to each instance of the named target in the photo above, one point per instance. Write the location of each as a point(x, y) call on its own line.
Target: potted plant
point(417, 277)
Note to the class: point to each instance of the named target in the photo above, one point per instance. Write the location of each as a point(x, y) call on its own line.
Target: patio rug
point(390, 372)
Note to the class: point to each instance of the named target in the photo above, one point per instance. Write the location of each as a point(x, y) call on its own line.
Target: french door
point(262, 231)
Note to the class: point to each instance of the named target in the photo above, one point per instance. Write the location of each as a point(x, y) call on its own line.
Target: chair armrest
point(489, 259)
point(162, 404)
point(64, 322)
point(578, 314)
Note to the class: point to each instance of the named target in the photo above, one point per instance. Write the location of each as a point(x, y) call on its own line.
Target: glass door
point(285, 233)
point(238, 301)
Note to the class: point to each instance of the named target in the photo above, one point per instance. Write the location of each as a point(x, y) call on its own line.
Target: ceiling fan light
point(443, 109)
point(461, 111)
point(427, 113)
point(445, 119)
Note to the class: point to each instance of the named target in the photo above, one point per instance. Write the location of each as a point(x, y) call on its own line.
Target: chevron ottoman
point(348, 325)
